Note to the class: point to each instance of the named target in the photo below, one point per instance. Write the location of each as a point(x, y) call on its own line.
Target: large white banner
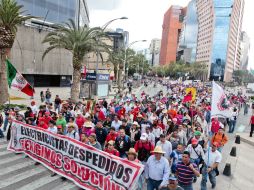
point(89, 168)
point(220, 104)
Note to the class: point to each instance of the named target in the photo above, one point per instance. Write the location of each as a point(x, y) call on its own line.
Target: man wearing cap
point(212, 159)
point(80, 120)
point(157, 170)
point(165, 145)
point(172, 184)
point(61, 121)
point(144, 148)
point(47, 117)
point(34, 107)
point(196, 151)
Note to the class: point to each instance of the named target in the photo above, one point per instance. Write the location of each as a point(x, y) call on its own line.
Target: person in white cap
point(143, 147)
point(157, 170)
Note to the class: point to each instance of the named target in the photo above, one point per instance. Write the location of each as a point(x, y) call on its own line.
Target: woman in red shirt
point(252, 125)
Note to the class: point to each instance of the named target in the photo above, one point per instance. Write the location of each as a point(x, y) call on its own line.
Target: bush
point(21, 106)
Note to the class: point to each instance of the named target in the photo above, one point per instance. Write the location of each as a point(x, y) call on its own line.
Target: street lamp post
point(125, 57)
point(97, 53)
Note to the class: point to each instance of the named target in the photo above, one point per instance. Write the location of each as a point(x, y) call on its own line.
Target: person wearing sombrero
point(135, 133)
point(157, 170)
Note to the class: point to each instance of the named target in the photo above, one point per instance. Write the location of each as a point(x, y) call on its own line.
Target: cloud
point(103, 4)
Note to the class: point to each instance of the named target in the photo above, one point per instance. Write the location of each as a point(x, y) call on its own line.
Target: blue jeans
point(1, 133)
point(5, 123)
point(232, 126)
point(186, 187)
point(205, 175)
point(153, 184)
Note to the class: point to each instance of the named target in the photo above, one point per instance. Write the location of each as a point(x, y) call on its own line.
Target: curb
point(247, 141)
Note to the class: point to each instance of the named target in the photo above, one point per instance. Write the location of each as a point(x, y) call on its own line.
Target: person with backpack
point(220, 138)
point(233, 120)
point(212, 159)
point(123, 143)
point(143, 147)
point(176, 156)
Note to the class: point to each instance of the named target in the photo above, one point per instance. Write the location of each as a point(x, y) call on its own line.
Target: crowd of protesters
point(176, 141)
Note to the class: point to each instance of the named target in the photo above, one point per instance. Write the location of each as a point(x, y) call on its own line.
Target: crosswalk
point(18, 172)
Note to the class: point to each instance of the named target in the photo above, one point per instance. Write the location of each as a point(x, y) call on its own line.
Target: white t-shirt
point(192, 152)
point(166, 147)
point(213, 157)
point(53, 129)
point(116, 124)
point(73, 135)
point(34, 109)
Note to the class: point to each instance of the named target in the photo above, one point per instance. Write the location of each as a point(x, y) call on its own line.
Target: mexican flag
point(17, 81)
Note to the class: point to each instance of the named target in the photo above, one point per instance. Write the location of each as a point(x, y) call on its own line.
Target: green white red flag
point(16, 81)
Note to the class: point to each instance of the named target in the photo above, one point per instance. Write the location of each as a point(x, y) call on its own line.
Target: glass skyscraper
point(222, 16)
point(57, 11)
point(219, 30)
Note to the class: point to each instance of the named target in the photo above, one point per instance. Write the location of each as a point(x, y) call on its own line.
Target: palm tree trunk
point(75, 88)
point(4, 53)
point(119, 77)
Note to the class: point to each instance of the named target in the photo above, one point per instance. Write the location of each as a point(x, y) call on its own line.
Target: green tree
point(79, 41)
point(11, 15)
point(138, 64)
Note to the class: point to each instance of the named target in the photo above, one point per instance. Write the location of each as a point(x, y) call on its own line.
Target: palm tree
point(79, 41)
point(117, 58)
point(11, 15)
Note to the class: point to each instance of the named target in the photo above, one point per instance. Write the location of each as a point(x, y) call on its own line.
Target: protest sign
point(86, 166)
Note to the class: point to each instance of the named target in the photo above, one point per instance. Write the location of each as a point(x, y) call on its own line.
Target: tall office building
point(188, 38)
point(26, 55)
point(171, 29)
point(219, 31)
point(57, 11)
point(245, 48)
point(154, 48)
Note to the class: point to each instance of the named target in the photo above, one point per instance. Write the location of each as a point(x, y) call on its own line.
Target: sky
point(145, 18)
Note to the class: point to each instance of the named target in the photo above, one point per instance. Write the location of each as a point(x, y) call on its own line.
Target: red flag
point(187, 98)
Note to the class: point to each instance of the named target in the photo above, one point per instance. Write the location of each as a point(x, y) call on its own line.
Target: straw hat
point(88, 124)
point(139, 115)
point(111, 142)
point(132, 151)
point(164, 111)
point(135, 123)
point(158, 149)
